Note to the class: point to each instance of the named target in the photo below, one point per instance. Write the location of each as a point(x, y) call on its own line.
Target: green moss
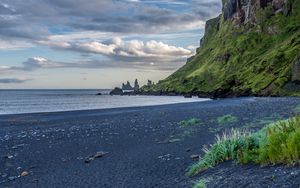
point(190, 122)
point(227, 119)
point(201, 183)
point(255, 58)
point(267, 120)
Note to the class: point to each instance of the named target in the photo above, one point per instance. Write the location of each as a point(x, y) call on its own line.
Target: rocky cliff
point(252, 48)
point(244, 11)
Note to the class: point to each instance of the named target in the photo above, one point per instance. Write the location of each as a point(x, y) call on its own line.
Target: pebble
point(4, 175)
point(12, 178)
point(195, 157)
point(8, 156)
point(99, 154)
point(165, 157)
point(89, 159)
point(17, 146)
point(24, 173)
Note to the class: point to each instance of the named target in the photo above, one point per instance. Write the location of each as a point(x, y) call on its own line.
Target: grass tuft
point(282, 144)
point(200, 183)
point(227, 119)
point(190, 122)
point(277, 143)
point(227, 147)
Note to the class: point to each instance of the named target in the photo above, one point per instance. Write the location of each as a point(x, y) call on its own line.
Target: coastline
point(35, 101)
point(147, 147)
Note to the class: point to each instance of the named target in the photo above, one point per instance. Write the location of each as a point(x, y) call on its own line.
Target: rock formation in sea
point(127, 87)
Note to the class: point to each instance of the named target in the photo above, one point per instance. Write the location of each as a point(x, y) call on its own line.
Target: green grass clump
point(200, 183)
point(227, 119)
point(190, 122)
point(277, 143)
point(282, 144)
point(227, 146)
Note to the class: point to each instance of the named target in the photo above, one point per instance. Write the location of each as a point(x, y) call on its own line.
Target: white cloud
point(127, 51)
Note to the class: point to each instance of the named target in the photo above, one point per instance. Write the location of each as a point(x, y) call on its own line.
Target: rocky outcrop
point(244, 11)
point(136, 86)
point(296, 71)
point(211, 26)
point(127, 86)
point(116, 91)
point(229, 8)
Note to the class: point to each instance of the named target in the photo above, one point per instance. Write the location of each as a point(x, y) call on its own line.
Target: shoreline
point(150, 105)
point(146, 146)
point(107, 108)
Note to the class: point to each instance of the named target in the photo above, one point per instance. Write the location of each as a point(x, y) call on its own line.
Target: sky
point(82, 44)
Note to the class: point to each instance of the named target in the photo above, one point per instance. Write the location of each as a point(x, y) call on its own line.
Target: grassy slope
point(241, 59)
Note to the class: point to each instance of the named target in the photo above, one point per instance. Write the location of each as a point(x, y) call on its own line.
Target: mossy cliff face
point(252, 48)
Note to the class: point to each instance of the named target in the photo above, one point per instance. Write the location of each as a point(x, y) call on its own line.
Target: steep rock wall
point(244, 11)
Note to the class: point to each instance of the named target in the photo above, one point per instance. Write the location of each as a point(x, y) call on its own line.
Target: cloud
point(14, 45)
point(36, 63)
point(137, 17)
point(13, 80)
point(127, 51)
point(134, 54)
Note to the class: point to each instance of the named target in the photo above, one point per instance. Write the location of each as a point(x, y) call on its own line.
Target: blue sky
point(97, 43)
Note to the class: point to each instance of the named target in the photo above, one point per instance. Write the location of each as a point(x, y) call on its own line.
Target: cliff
point(252, 48)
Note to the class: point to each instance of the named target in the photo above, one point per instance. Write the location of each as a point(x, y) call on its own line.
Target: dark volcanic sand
point(52, 147)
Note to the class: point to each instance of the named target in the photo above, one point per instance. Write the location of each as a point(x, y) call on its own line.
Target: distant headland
point(127, 89)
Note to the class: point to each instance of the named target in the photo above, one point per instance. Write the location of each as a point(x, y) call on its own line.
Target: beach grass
point(277, 143)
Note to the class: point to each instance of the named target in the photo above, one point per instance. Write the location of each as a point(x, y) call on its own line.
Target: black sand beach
point(146, 146)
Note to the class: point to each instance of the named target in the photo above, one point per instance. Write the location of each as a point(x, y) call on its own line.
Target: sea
point(32, 101)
